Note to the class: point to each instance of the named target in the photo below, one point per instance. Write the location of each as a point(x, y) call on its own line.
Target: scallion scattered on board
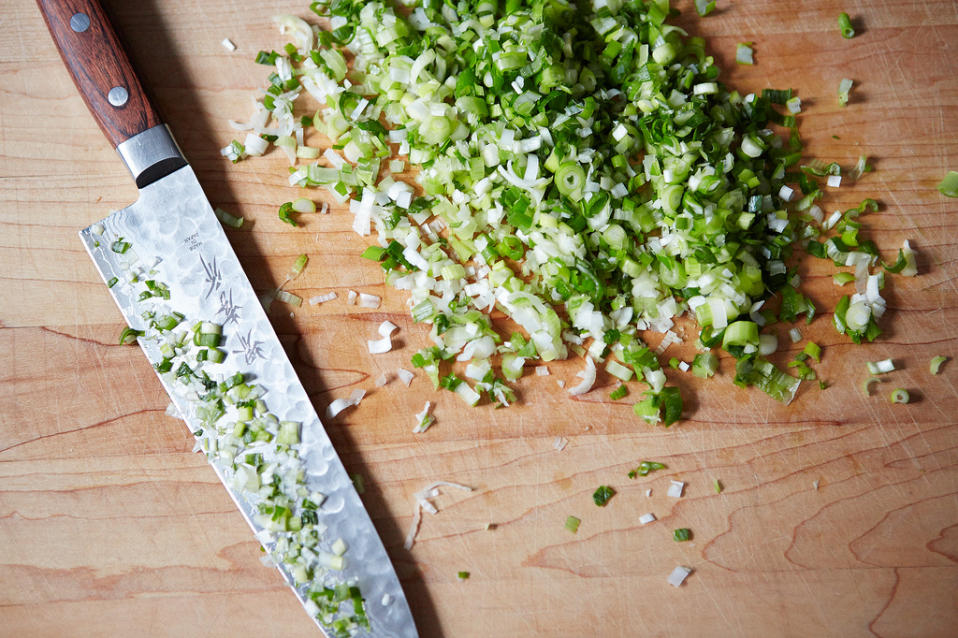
point(602, 495)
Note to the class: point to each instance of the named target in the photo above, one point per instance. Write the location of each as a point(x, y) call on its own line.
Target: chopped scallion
point(845, 25)
point(602, 495)
point(949, 186)
point(936, 363)
point(900, 395)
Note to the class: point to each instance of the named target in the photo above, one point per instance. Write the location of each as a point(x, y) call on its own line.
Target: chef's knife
point(167, 253)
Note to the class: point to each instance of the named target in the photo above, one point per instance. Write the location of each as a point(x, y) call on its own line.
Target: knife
point(183, 293)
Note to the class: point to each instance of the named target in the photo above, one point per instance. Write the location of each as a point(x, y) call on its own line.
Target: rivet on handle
point(118, 96)
point(80, 22)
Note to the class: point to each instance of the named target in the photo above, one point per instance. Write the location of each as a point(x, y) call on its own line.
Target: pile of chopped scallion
point(579, 168)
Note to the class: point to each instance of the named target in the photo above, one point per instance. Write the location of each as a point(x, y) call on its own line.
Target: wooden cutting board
point(109, 526)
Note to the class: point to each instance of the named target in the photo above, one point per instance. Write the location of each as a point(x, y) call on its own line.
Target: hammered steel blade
point(174, 231)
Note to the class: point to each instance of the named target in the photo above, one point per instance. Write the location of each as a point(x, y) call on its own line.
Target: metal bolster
point(151, 155)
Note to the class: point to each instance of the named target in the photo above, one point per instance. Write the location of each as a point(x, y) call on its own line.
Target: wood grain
point(110, 526)
point(98, 64)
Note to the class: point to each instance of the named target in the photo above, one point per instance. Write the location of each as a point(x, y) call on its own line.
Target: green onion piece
point(949, 186)
point(867, 385)
point(129, 336)
point(375, 253)
point(899, 264)
point(602, 495)
point(717, 486)
point(462, 575)
point(119, 246)
point(682, 534)
point(900, 395)
point(299, 264)
point(359, 483)
point(290, 298)
point(744, 53)
point(619, 393)
point(813, 350)
point(842, 278)
point(704, 7)
point(664, 406)
point(285, 213)
point(936, 363)
point(843, 89)
point(113, 281)
point(228, 219)
point(645, 467)
point(845, 24)
point(572, 524)
point(741, 333)
point(704, 365)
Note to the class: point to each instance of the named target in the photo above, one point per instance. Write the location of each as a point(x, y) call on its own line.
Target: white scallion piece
point(430, 491)
point(675, 489)
point(351, 297)
point(424, 419)
point(405, 376)
point(255, 145)
point(645, 519)
point(559, 443)
point(648, 493)
point(785, 193)
point(337, 406)
point(228, 44)
point(587, 375)
point(290, 298)
point(356, 396)
point(369, 301)
point(339, 547)
point(767, 344)
point(911, 265)
point(382, 380)
point(542, 371)
point(386, 328)
point(684, 366)
point(380, 346)
point(678, 575)
point(833, 181)
point(832, 220)
point(318, 299)
point(880, 367)
point(795, 335)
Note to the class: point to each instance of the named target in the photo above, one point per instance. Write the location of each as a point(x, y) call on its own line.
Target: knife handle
point(105, 78)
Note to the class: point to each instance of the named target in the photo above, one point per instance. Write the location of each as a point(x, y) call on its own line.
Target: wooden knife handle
point(100, 67)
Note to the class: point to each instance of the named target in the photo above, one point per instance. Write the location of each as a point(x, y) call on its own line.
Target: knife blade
point(173, 274)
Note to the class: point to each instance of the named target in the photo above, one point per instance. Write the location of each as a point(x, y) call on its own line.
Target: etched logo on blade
point(250, 348)
point(213, 275)
point(228, 309)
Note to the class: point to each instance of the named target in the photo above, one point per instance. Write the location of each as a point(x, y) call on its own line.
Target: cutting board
point(839, 514)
